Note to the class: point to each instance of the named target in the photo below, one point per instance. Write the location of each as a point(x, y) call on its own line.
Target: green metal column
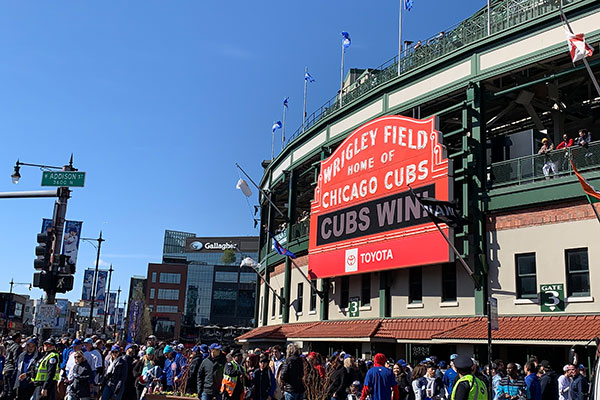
point(291, 216)
point(474, 166)
point(382, 293)
point(265, 263)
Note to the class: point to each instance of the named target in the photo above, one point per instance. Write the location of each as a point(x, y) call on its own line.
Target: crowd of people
point(91, 368)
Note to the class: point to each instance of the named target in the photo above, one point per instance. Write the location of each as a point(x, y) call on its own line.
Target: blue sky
point(158, 99)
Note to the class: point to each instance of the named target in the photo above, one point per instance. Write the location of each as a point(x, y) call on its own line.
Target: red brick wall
point(550, 214)
point(182, 286)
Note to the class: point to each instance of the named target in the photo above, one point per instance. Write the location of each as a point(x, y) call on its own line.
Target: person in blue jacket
point(173, 368)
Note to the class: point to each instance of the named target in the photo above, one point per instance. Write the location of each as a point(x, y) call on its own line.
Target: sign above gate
point(363, 216)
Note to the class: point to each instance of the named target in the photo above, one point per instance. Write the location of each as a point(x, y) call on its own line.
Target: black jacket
point(82, 376)
point(117, 377)
point(192, 382)
point(12, 353)
point(130, 381)
point(29, 371)
point(260, 385)
point(210, 375)
point(340, 380)
point(549, 384)
point(579, 388)
point(291, 374)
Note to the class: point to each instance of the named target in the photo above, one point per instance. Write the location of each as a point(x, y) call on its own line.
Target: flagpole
point(283, 128)
point(312, 285)
point(272, 143)
point(342, 75)
point(262, 192)
point(585, 61)
point(304, 106)
point(400, 36)
point(456, 253)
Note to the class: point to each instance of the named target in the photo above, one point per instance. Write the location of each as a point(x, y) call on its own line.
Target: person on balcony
point(565, 144)
point(583, 141)
point(549, 164)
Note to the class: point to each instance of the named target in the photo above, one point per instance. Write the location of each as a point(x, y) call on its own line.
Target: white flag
point(578, 48)
point(243, 186)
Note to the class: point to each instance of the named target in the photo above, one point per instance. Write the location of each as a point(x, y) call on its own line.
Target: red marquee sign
point(363, 217)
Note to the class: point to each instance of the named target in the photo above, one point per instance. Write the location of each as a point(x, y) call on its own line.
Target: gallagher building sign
point(363, 217)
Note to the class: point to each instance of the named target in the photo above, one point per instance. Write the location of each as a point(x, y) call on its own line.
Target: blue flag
point(308, 77)
point(277, 125)
point(280, 249)
point(285, 102)
point(408, 4)
point(346, 39)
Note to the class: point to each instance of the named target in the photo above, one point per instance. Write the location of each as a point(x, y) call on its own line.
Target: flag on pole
point(441, 211)
point(408, 4)
point(277, 125)
point(285, 102)
point(578, 48)
point(243, 186)
point(280, 249)
point(346, 39)
point(308, 77)
point(592, 194)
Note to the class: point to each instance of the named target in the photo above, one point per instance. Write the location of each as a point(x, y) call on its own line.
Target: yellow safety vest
point(229, 382)
point(42, 370)
point(478, 389)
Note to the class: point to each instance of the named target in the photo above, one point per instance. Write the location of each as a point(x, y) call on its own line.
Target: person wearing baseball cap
point(210, 373)
point(115, 376)
point(25, 369)
point(450, 375)
point(173, 367)
point(193, 366)
point(468, 387)
point(48, 372)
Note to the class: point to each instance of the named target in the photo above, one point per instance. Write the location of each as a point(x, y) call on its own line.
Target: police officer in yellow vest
point(233, 378)
point(47, 373)
point(467, 386)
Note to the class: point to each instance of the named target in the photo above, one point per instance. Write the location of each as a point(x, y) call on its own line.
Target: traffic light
point(64, 265)
point(63, 283)
point(44, 250)
point(43, 280)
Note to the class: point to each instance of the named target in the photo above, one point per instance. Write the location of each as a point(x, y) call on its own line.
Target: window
point(224, 300)
point(226, 276)
point(300, 297)
point(345, 292)
point(152, 290)
point(168, 294)
point(280, 301)
point(166, 309)
point(167, 277)
point(313, 296)
point(151, 307)
point(578, 272)
point(526, 279)
point(165, 328)
point(274, 305)
point(415, 285)
point(245, 303)
point(18, 310)
point(154, 277)
point(449, 282)
point(365, 290)
point(247, 277)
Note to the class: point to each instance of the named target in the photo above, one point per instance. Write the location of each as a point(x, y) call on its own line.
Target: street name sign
point(552, 297)
point(63, 178)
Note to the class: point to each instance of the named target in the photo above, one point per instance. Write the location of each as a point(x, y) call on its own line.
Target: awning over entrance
point(516, 330)
point(572, 329)
point(369, 330)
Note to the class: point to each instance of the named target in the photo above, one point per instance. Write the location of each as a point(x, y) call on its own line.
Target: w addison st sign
point(363, 217)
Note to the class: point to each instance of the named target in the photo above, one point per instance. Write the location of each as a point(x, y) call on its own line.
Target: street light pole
point(100, 240)
point(107, 305)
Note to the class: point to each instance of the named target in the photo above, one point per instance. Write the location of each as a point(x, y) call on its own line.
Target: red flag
point(578, 48)
point(593, 194)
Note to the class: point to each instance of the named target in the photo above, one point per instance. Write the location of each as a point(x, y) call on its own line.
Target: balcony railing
point(504, 15)
point(300, 230)
point(538, 167)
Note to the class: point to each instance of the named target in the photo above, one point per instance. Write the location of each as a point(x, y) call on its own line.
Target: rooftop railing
point(504, 15)
point(539, 167)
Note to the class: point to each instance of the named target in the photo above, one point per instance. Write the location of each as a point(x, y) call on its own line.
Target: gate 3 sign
point(363, 217)
point(552, 297)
